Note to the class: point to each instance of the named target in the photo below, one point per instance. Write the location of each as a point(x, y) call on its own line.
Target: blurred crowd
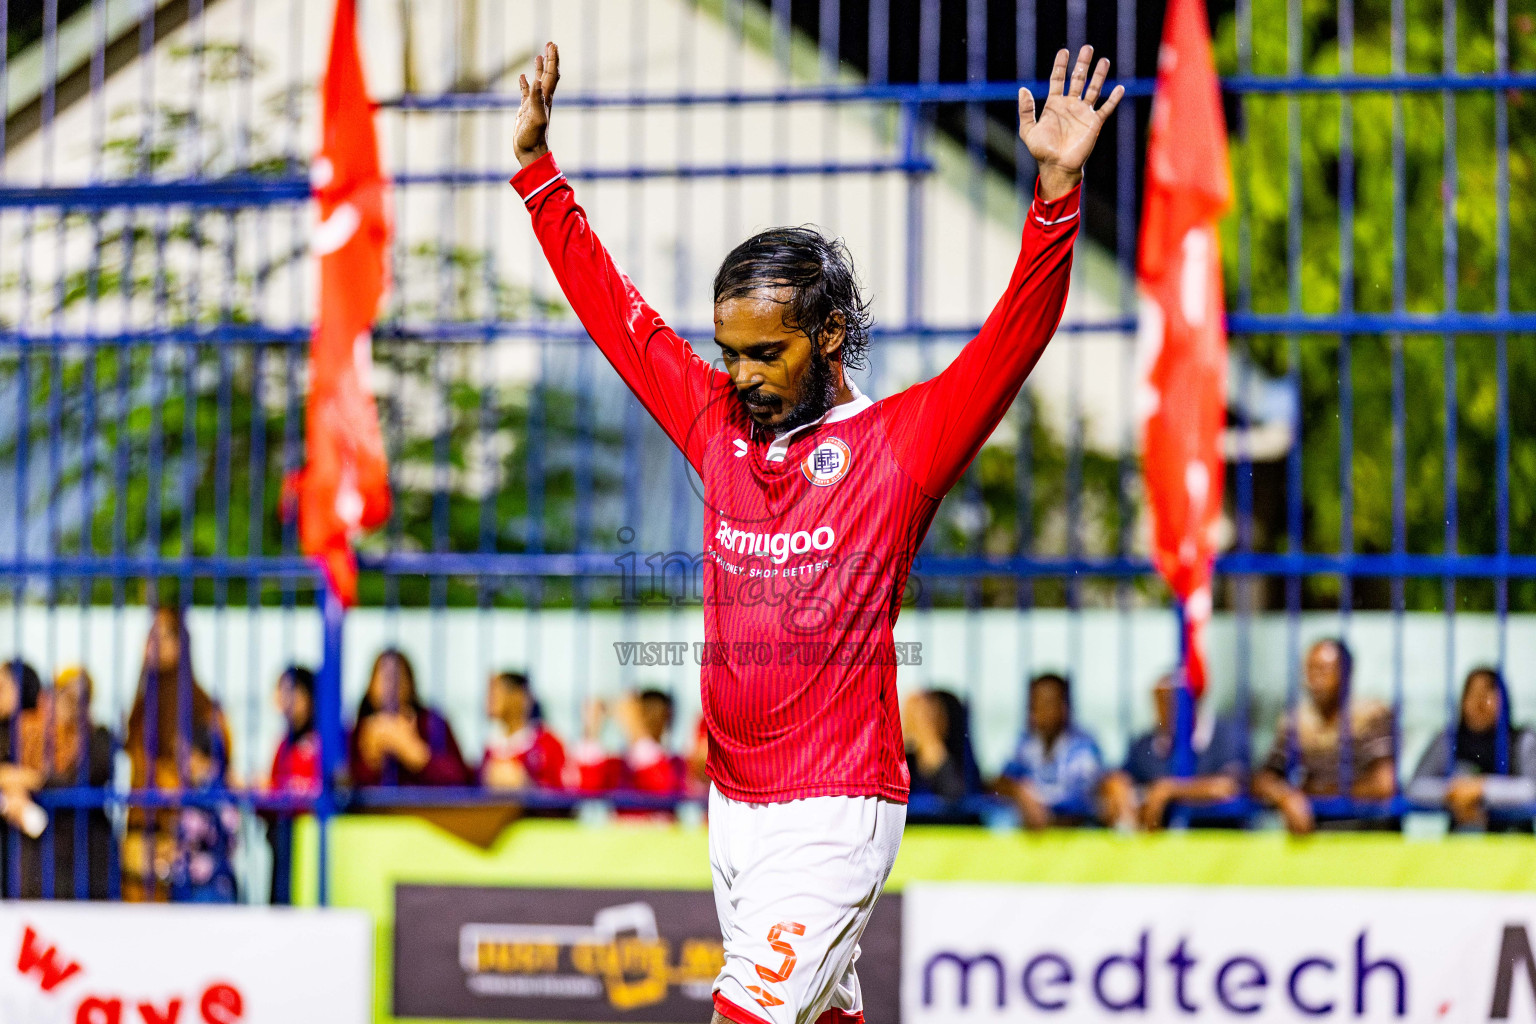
point(1333, 763)
point(178, 838)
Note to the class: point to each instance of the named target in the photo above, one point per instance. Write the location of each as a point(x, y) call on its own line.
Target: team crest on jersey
point(827, 463)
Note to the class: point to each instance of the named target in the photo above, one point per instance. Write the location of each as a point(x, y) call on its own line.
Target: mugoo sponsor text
point(776, 546)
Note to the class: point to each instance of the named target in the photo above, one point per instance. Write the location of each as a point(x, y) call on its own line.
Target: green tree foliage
point(1390, 264)
point(115, 449)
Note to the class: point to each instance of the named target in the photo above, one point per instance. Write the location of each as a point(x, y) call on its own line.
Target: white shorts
point(794, 886)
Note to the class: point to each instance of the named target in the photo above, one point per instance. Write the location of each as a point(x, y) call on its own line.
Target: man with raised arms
point(817, 498)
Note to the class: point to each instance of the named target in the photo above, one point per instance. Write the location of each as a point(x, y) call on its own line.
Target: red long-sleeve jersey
point(808, 536)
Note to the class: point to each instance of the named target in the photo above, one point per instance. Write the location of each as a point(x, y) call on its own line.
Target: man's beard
point(817, 393)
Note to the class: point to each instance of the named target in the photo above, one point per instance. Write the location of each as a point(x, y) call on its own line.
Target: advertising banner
point(464, 952)
point(136, 964)
point(1174, 953)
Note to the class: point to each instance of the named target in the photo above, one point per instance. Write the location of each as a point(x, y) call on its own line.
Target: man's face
point(506, 704)
point(294, 704)
point(1162, 702)
point(1480, 704)
point(781, 379)
point(1047, 710)
point(655, 717)
point(302, 711)
point(1325, 674)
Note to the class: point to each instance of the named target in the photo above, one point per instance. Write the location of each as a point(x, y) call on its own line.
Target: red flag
point(1183, 342)
point(344, 486)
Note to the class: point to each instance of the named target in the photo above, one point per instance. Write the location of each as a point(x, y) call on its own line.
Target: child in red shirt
point(520, 752)
point(296, 764)
point(646, 765)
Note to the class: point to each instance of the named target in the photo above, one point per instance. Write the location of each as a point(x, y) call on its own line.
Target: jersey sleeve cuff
point(538, 177)
point(1043, 213)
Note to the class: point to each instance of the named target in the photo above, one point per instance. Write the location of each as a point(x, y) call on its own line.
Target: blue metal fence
point(153, 309)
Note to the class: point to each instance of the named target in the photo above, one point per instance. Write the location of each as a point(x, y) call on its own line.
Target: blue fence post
point(1183, 753)
point(332, 734)
point(1183, 704)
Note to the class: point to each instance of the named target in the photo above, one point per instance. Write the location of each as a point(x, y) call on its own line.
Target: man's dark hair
point(514, 681)
point(519, 681)
point(1346, 664)
point(818, 271)
point(28, 683)
point(652, 695)
point(300, 678)
point(1053, 679)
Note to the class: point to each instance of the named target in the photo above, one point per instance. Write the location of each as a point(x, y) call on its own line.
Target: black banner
point(587, 954)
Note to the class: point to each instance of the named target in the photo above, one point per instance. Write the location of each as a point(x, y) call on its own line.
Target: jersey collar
point(779, 448)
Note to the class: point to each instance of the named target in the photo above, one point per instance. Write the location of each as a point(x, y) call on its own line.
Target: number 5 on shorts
point(778, 945)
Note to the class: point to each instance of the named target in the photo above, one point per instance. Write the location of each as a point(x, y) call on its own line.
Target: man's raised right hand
point(530, 139)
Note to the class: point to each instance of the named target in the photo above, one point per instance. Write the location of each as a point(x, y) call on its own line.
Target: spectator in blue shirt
point(1055, 772)
point(1139, 793)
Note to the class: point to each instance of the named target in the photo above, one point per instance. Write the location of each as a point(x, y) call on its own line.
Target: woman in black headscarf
point(1483, 761)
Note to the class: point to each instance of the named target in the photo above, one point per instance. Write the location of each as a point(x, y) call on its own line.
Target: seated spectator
point(202, 868)
point(158, 751)
point(646, 766)
point(520, 752)
point(20, 686)
point(1484, 763)
point(1139, 794)
point(1328, 722)
point(61, 747)
point(1054, 775)
point(296, 767)
point(939, 757)
point(296, 771)
point(397, 740)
